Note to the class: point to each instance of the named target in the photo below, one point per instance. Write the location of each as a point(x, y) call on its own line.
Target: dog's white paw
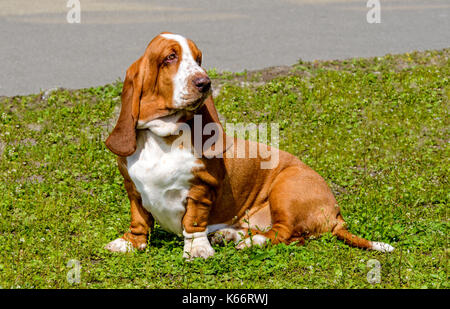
point(256, 240)
point(142, 246)
point(120, 245)
point(197, 245)
point(227, 235)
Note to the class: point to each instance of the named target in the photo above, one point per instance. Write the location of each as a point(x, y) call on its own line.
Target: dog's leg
point(195, 220)
point(283, 212)
point(140, 226)
point(300, 203)
point(141, 220)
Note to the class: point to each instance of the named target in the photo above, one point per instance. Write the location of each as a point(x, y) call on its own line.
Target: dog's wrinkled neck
point(164, 126)
point(170, 124)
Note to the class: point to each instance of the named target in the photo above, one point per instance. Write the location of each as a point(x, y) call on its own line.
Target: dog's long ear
point(214, 140)
point(122, 140)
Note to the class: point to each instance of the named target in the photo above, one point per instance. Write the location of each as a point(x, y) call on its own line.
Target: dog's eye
point(172, 57)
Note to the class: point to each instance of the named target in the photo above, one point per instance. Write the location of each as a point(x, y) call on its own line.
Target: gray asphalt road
point(40, 50)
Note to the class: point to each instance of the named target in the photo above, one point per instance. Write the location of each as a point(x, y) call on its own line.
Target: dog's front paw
point(197, 245)
point(120, 245)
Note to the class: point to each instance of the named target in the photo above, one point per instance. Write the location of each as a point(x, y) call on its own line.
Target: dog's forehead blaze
point(180, 42)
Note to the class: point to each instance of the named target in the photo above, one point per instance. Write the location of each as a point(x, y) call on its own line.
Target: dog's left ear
point(122, 140)
point(214, 140)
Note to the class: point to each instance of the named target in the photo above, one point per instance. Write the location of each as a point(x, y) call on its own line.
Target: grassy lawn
point(376, 129)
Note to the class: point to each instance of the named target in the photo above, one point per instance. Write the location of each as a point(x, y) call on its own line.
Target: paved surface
point(40, 50)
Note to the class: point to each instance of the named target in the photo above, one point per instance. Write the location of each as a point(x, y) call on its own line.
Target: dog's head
point(167, 85)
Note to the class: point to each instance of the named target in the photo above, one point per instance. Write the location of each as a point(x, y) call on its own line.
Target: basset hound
point(181, 169)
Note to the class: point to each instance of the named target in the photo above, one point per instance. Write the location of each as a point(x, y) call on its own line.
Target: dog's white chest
point(161, 175)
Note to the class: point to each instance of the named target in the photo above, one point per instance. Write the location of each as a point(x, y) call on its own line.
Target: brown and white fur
point(217, 191)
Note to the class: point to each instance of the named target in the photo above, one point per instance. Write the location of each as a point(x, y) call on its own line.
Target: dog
point(210, 183)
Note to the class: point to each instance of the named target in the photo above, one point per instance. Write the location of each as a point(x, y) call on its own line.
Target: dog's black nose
point(202, 83)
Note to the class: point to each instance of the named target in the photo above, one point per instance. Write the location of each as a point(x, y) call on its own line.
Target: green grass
point(376, 129)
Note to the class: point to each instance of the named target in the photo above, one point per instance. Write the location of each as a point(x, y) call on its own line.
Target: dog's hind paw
point(120, 245)
point(227, 235)
point(255, 240)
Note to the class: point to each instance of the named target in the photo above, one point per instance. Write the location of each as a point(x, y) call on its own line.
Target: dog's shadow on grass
point(160, 238)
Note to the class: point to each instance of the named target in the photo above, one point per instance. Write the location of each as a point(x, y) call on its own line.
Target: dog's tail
point(352, 240)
